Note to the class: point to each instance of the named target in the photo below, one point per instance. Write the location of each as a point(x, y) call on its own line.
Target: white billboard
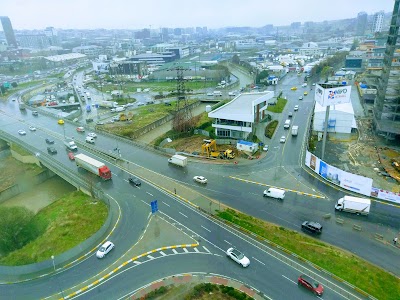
point(331, 96)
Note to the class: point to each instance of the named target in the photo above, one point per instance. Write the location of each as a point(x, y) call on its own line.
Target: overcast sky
point(136, 14)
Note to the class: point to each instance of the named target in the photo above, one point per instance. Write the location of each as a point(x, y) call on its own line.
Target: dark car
point(313, 227)
point(52, 150)
point(135, 181)
point(49, 141)
point(311, 284)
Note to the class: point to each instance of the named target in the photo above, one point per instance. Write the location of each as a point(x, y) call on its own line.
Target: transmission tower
point(183, 113)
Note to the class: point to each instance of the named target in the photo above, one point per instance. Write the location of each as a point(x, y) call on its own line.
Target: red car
point(71, 156)
point(311, 284)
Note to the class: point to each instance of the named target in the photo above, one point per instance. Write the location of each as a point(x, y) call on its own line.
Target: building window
point(223, 133)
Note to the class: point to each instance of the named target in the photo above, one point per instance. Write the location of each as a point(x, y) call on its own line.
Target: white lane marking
point(162, 253)
point(206, 228)
point(186, 250)
point(195, 249)
point(289, 279)
point(183, 215)
point(258, 260)
point(149, 216)
point(206, 249)
point(149, 194)
point(173, 250)
point(136, 262)
point(165, 203)
point(227, 242)
point(149, 256)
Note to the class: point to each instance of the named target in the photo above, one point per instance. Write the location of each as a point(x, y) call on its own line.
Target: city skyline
point(95, 14)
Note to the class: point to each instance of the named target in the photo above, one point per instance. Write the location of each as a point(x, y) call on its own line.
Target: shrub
point(270, 128)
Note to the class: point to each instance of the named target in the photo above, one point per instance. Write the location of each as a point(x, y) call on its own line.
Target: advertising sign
point(385, 195)
point(331, 96)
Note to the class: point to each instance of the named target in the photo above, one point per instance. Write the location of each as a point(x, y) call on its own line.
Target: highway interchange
point(238, 186)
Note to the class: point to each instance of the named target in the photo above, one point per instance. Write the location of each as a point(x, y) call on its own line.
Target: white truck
point(110, 104)
point(217, 93)
point(93, 166)
point(178, 160)
point(70, 144)
point(359, 206)
point(295, 130)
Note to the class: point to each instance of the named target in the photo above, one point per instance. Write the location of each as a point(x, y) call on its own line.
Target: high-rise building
point(362, 19)
point(377, 22)
point(8, 32)
point(387, 102)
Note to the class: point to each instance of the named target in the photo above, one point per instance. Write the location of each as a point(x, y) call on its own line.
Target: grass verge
point(353, 269)
point(278, 108)
point(65, 223)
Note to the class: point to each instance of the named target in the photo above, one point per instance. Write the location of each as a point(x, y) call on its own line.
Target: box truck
point(93, 166)
point(295, 130)
point(359, 206)
point(178, 160)
point(70, 144)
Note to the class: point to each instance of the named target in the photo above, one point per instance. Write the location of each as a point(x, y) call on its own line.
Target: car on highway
point(290, 114)
point(89, 140)
point(200, 179)
point(296, 108)
point(310, 284)
point(80, 129)
point(305, 93)
point(61, 122)
point(313, 84)
point(100, 123)
point(92, 134)
point(282, 139)
point(293, 88)
point(265, 148)
point(32, 128)
point(49, 141)
point(238, 257)
point(71, 156)
point(301, 98)
point(52, 150)
point(21, 132)
point(104, 249)
point(134, 181)
point(35, 113)
point(312, 227)
point(210, 94)
point(140, 104)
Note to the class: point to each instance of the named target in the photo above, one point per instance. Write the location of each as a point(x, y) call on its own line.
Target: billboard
point(334, 95)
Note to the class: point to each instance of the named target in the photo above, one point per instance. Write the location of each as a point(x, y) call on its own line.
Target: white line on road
point(162, 253)
point(227, 242)
point(186, 250)
point(148, 217)
point(183, 214)
point(258, 261)
point(206, 249)
point(149, 194)
point(175, 252)
point(149, 256)
point(206, 228)
point(289, 279)
point(165, 203)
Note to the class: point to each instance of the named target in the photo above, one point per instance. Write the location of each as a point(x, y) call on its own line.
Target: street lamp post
point(59, 287)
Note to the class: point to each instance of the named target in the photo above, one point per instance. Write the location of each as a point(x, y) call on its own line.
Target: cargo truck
point(295, 130)
point(70, 144)
point(93, 166)
point(359, 206)
point(178, 160)
point(110, 104)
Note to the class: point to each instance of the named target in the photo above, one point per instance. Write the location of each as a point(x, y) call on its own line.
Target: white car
point(31, 128)
point(92, 134)
point(301, 98)
point(238, 257)
point(21, 132)
point(265, 148)
point(283, 139)
point(104, 249)
point(140, 104)
point(200, 179)
point(296, 108)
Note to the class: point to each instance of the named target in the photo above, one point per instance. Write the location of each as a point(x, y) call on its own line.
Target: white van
point(274, 193)
point(287, 124)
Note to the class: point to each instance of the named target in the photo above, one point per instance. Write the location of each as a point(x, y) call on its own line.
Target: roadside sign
point(154, 206)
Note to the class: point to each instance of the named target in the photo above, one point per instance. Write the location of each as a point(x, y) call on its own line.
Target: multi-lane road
point(237, 186)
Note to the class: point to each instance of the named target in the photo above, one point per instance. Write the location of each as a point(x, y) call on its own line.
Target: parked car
point(265, 148)
point(200, 179)
point(80, 129)
point(32, 128)
point(312, 227)
point(135, 181)
point(71, 156)
point(310, 284)
point(52, 150)
point(282, 139)
point(22, 132)
point(104, 249)
point(296, 108)
point(49, 141)
point(92, 134)
point(238, 257)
